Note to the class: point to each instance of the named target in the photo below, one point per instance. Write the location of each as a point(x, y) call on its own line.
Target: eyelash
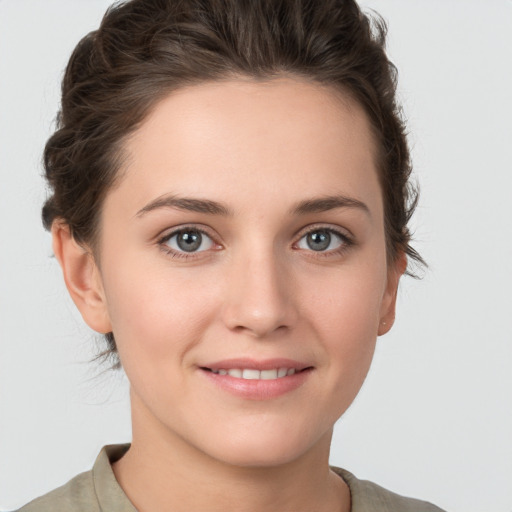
point(162, 242)
point(346, 242)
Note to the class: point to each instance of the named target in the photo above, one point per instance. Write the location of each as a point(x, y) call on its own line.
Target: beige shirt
point(98, 491)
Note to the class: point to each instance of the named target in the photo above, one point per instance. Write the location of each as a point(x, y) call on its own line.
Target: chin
point(247, 457)
point(259, 448)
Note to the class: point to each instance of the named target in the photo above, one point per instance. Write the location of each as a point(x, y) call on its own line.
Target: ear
point(387, 312)
point(82, 278)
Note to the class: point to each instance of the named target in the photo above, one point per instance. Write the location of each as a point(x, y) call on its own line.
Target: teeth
point(251, 374)
point(282, 372)
point(268, 374)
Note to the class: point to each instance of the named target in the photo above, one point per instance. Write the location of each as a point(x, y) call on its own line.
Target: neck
point(162, 471)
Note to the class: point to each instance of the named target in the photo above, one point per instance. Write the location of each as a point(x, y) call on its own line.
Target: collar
point(365, 496)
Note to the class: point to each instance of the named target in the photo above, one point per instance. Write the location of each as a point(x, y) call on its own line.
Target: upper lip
point(253, 364)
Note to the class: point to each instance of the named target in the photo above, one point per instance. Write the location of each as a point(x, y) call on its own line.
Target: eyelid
point(164, 236)
point(344, 234)
point(168, 232)
point(338, 230)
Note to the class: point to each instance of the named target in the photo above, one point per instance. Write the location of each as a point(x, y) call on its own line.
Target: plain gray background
point(434, 418)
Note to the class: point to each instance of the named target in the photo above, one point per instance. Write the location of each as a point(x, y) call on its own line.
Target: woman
point(229, 207)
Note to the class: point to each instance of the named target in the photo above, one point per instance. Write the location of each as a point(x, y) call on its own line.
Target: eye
point(188, 241)
point(323, 240)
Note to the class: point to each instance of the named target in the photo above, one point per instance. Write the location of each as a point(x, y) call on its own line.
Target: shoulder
point(93, 491)
point(369, 497)
point(77, 495)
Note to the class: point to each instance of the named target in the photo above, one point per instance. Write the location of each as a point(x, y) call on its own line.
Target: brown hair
point(144, 49)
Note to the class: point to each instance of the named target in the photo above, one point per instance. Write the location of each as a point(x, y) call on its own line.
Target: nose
point(260, 297)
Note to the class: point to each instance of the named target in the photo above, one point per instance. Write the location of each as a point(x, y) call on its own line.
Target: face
point(243, 268)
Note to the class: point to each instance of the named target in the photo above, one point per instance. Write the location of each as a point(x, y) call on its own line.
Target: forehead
point(242, 135)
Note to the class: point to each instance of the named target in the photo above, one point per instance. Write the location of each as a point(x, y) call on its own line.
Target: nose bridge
point(259, 298)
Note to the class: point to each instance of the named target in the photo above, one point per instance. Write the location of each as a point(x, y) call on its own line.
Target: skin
point(255, 289)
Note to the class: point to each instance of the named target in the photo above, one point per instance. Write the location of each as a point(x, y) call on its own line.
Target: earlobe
point(82, 278)
point(387, 316)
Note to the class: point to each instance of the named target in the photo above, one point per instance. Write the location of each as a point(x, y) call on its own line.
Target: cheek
point(346, 316)
point(349, 301)
point(151, 313)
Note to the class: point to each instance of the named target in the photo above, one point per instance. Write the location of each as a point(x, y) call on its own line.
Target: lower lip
point(258, 389)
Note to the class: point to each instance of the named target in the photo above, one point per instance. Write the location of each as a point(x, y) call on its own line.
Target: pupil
point(319, 240)
point(189, 241)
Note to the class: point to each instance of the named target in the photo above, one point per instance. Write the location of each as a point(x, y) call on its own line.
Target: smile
point(252, 374)
point(256, 379)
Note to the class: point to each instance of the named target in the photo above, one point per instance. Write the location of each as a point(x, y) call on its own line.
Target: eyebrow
point(315, 205)
point(324, 204)
point(187, 204)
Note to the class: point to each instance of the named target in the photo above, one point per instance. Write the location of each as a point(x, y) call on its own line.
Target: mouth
point(255, 374)
point(257, 379)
